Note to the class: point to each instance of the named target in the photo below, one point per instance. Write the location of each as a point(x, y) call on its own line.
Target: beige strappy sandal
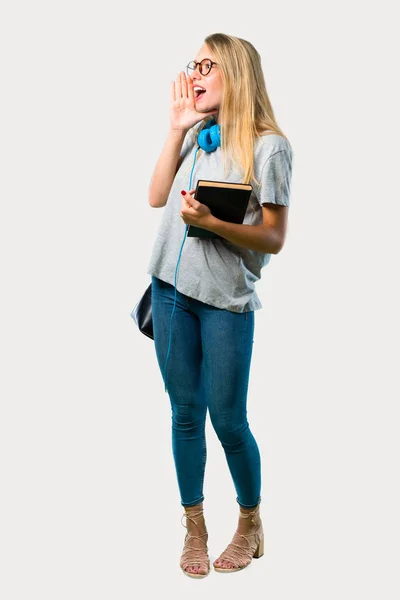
point(194, 556)
point(239, 555)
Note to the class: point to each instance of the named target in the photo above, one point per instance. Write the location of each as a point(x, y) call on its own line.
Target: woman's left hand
point(193, 212)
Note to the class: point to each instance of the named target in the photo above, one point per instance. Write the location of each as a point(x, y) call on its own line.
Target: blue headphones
point(209, 139)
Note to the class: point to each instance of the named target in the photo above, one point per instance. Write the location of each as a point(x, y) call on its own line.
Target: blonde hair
point(245, 111)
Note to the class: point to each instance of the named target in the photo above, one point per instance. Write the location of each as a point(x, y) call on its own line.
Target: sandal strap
point(190, 515)
point(192, 555)
point(237, 554)
point(240, 555)
point(253, 513)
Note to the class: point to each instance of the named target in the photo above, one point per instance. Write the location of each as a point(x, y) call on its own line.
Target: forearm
point(165, 169)
point(254, 237)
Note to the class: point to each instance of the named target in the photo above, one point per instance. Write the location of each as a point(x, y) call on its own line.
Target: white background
point(89, 502)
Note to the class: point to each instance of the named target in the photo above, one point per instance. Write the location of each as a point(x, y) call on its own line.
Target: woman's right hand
point(183, 111)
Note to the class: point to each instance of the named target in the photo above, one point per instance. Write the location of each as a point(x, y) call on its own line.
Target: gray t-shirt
point(216, 271)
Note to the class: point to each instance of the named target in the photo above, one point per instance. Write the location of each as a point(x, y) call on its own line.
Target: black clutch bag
point(141, 314)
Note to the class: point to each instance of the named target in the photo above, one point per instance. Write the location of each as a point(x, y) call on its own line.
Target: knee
point(230, 434)
point(188, 416)
point(187, 422)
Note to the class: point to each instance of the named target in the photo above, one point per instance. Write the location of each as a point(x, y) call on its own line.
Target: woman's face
point(212, 83)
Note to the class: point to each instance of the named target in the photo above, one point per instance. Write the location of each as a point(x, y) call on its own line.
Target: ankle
point(195, 522)
point(249, 519)
point(194, 508)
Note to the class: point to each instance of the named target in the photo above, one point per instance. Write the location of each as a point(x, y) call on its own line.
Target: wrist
point(178, 133)
point(211, 223)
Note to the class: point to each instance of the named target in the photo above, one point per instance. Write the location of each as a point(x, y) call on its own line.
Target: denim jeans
point(208, 368)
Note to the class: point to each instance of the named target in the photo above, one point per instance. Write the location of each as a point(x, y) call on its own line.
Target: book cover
point(227, 201)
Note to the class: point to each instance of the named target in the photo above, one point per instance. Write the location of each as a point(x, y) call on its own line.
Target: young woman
point(211, 296)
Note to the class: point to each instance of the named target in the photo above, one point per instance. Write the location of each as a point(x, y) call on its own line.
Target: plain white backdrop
point(89, 500)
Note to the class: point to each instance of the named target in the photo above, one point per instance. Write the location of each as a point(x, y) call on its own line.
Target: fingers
point(190, 201)
point(190, 88)
point(178, 88)
point(182, 87)
point(190, 192)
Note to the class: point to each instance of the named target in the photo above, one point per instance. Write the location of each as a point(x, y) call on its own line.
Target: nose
point(196, 71)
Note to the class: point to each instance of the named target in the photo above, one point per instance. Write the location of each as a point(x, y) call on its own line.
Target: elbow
point(276, 247)
point(279, 246)
point(151, 202)
point(274, 250)
point(155, 203)
point(156, 200)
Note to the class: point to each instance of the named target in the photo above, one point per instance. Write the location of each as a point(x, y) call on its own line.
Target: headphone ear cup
point(209, 138)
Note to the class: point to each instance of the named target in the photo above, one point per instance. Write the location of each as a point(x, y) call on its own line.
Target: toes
point(227, 564)
point(224, 563)
point(195, 569)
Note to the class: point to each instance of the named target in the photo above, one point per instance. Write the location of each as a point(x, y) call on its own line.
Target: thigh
point(184, 343)
point(227, 342)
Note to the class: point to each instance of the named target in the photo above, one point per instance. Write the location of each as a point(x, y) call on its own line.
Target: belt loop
point(246, 316)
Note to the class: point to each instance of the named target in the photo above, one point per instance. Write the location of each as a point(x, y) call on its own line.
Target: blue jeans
point(208, 367)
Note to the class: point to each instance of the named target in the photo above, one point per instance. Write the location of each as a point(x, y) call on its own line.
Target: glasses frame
point(199, 64)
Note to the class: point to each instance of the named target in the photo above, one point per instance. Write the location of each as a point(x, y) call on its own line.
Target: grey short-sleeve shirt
point(216, 271)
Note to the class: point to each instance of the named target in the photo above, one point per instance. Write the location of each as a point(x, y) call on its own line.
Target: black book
point(227, 202)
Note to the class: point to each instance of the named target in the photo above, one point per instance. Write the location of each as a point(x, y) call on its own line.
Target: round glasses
point(205, 66)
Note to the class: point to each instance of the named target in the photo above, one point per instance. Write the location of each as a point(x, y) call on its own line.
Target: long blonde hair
point(245, 111)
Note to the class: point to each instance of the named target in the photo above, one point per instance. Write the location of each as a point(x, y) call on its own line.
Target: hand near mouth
point(183, 111)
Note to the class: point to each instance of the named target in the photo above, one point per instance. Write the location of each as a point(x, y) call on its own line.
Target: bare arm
point(183, 117)
point(166, 169)
point(268, 238)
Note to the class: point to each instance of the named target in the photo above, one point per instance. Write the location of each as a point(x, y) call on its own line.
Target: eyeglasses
point(205, 66)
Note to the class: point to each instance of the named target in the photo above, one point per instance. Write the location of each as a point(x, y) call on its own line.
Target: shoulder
point(269, 144)
point(269, 139)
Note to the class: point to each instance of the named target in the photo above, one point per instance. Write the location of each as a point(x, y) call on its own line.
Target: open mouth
point(198, 92)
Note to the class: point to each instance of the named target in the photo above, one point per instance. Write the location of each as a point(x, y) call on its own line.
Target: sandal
point(192, 555)
point(241, 556)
